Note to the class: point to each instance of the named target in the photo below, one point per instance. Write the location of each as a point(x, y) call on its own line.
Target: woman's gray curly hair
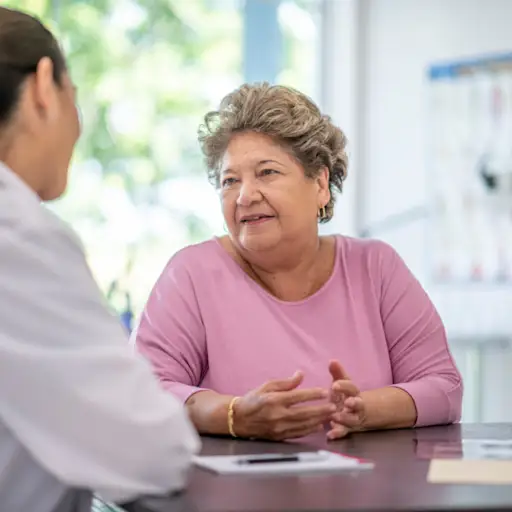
point(287, 116)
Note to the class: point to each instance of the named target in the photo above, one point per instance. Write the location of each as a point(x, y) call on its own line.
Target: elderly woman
point(274, 331)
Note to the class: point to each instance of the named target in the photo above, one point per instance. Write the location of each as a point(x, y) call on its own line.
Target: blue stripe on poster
point(448, 70)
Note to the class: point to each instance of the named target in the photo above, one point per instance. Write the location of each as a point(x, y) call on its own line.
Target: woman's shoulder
point(368, 258)
point(204, 262)
point(201, 256)
point(363, 250)
point(373, 261)
point(203, 267)
point(189, 267)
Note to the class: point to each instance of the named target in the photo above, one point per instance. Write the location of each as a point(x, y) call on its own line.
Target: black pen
point(296, 457)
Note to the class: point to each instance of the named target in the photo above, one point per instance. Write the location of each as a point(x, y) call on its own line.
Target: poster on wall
point(470, 170)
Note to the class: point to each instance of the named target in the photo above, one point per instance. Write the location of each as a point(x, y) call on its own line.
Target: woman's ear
point(323, 185)
point(44, 90)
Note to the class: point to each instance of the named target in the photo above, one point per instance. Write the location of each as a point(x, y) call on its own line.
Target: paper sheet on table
point(485, 461)
point(230, 465)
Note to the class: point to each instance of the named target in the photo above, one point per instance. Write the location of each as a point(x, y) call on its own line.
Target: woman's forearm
point(208, 412)
point(387, 408)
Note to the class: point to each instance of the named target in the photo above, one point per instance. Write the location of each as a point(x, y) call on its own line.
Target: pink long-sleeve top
point(208, 325)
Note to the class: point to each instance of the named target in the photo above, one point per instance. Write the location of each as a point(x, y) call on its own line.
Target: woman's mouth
point(252, 220)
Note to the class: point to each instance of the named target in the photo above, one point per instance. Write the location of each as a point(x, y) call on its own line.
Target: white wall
point(397, 41)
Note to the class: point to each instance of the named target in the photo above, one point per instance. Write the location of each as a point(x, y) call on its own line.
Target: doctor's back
point(79, 411)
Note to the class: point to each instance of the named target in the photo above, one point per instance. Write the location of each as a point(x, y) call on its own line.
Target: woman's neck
point(297, 278)
point(21, 162)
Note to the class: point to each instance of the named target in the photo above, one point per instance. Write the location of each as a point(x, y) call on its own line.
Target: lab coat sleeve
point(71, 390)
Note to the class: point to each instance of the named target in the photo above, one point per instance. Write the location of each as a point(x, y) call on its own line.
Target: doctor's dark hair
point(24, 41)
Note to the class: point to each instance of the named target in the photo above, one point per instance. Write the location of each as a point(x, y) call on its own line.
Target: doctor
point(79, 412)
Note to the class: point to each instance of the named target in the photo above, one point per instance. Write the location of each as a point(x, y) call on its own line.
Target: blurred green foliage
point(146, 72)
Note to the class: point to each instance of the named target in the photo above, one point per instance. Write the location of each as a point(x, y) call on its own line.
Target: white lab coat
point(78, 408)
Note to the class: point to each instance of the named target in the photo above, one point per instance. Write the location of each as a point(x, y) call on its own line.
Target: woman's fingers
point(347, 418)
point(288, 422)
point(345, 387)
point(337, 431)
point(298, 396)
point(337, 372)
point(294, 430)
point(352, 412)
point(320, 412)
point(338, 399)
point(354, 404)
point(285, 412)
point(284, 384)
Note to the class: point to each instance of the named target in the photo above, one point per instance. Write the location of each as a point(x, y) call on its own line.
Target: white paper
point(487, 449)
point(230, 464)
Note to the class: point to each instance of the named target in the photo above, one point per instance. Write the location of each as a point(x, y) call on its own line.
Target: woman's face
point(266, 197)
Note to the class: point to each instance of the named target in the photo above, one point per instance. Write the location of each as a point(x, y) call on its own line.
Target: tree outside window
point(147, 71)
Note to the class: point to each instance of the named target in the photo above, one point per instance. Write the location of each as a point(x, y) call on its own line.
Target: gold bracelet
point(231, 414)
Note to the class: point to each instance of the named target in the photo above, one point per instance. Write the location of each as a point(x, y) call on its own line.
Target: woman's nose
point(249, 194)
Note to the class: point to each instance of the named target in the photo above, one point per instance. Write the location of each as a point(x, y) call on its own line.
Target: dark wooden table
point(398, 481)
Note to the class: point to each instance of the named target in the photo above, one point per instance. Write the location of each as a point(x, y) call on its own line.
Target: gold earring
point(322, 214)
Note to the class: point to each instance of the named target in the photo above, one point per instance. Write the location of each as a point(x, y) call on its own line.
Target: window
point(147, 71)
point(300, 22)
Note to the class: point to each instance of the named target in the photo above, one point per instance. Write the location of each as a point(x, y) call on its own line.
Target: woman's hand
point(275, 411)
point(350, 412)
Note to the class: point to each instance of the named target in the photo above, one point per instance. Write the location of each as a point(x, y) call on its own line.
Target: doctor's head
point(39, 123)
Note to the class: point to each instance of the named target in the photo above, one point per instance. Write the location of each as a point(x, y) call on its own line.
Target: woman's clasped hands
point(280, 410)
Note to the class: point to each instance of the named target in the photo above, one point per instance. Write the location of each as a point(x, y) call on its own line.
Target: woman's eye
point(228, 182)
point(267, 172)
